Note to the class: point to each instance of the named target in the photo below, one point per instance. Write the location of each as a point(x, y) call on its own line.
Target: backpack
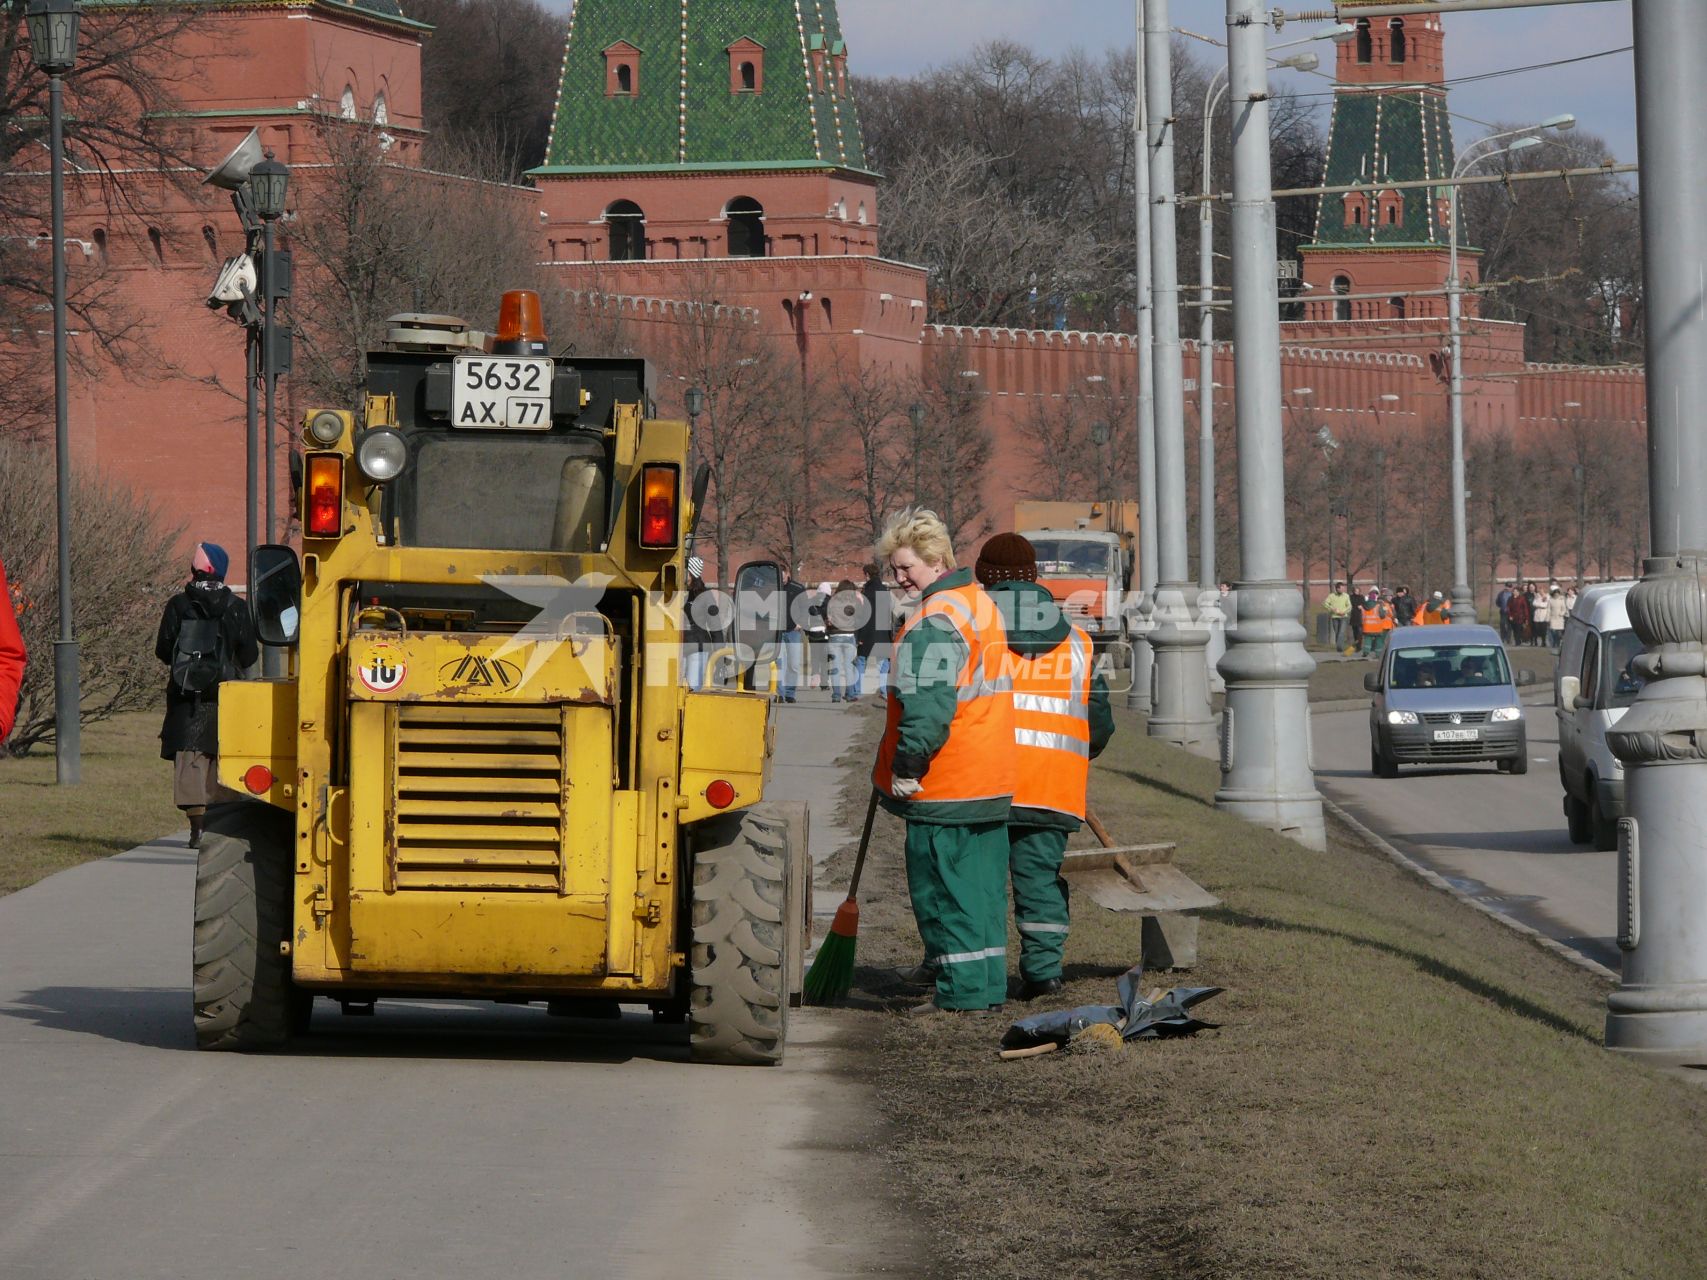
point(199, 657)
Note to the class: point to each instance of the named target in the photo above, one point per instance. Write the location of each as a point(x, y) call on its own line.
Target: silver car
point(1446, 695)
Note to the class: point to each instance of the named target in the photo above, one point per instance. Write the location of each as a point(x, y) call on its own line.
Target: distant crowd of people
point(1360, 620)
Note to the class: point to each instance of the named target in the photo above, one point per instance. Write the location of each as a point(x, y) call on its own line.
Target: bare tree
point(869, 406)
point(750, 387)
point(951, 455)
point(122, 151)
point(123, 562)
point(374, 238)
point(490, 76)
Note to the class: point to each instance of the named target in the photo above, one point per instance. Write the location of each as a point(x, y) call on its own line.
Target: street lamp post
point(1265, 729)
point(1213, 96)
point(1181, 713)
point(53, 28)
point(916, 416)
point(1381, 492)
point(1140, 696)
point(1661, 1002)
point(1580, 474)
point(269, 184)
point(1463, 602)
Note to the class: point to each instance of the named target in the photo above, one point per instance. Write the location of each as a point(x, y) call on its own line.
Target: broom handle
point(864, 844)
point(1098, 830)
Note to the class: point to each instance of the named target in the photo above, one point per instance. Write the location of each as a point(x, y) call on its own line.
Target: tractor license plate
point(1457, 735)
point(501, 393)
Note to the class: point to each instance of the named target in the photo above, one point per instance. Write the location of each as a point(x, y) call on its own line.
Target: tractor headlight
point(1401, 717)
point(1506, 713)
point(326, 427)
point(382, 454)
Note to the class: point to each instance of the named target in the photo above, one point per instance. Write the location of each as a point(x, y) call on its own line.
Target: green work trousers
point(1040, 899)
point(956, 878)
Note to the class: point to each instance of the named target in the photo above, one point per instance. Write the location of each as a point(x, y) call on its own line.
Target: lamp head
point(916, 413)
point(1300, 62)
point(1561, 123)
point(269, 182)
point(53, 34)
point(694, 398)
point(1522, 144)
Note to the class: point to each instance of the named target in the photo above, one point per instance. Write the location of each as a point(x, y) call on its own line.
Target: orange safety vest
point(1052, 727)
point(977, 762)
point(1379, 619)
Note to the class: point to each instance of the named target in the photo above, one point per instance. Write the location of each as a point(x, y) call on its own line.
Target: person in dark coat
point(876, 626)
point(190, 735)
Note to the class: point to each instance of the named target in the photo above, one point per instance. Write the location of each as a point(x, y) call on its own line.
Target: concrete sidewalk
point(434, 1139)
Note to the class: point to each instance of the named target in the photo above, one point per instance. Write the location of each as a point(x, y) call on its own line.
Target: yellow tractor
point(484, 778)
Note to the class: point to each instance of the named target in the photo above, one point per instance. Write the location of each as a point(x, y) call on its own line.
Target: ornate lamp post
point(53, 28)
point(269, 184)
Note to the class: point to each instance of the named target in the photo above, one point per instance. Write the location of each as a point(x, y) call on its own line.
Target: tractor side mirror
point(1372, 681)
point(761, 609)
point(275, 594)
point(701, 482)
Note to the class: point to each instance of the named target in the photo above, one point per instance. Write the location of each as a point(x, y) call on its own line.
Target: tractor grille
point(478, 798)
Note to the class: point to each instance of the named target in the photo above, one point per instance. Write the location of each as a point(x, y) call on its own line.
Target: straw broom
point(831, 974)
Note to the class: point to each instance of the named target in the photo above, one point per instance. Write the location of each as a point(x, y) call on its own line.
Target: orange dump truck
point(1085, 557)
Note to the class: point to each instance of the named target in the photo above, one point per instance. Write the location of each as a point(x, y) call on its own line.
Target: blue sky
point(903, 37)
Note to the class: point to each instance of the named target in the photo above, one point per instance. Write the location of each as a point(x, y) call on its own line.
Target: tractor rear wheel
point(244, 996)
point(743, 938)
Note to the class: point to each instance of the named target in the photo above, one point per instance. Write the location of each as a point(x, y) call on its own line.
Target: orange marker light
point(521, 325)
point(720, 794)
point(259, 779)
point(660, 513)
point(323, 486)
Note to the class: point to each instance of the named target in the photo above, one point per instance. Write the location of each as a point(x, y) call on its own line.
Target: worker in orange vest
point(1062, 721)
point(946, 764)
point(1437, 612)
point(1377, 622)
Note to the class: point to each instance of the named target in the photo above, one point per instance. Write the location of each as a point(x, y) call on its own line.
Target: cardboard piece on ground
point(1138, 877)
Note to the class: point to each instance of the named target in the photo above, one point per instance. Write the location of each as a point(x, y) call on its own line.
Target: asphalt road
point(1496, 836)
point(453, 1140)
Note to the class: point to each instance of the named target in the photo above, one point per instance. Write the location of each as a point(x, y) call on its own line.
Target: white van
point(1593, 686)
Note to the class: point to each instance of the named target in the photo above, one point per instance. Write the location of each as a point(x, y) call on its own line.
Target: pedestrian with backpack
point(206, 637)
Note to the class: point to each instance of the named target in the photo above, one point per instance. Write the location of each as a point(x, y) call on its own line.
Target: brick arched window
point(625, 223)
point(1396, 40)
point(1342, 299)
point(746, 66)
point(1390, 207)
point(1396, 306)
point(347, 103)
point(1365, 42)
point(746, 217)
point(622, 70)
point(1356, 208)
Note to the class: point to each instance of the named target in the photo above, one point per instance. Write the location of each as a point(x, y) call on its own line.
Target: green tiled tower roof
point(684, 115)
point(1379, 137)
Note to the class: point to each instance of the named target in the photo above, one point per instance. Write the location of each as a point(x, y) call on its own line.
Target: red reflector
point(259, 779)
point(720, 794)
point(323, 488)
point(659, 485)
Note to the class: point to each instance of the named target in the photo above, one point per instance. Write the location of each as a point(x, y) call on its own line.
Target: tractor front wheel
point(743, 938)
point(244, 996)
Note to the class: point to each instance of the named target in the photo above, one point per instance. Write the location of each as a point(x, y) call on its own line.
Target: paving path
point(1499, 837)
point(448, 1139)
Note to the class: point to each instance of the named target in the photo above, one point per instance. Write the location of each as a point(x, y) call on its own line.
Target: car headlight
point(1506, 713)
point(382, 454)
point(1401, 717)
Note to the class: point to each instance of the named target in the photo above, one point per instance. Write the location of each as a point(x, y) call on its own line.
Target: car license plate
point(1457, 735)
point(501, 393)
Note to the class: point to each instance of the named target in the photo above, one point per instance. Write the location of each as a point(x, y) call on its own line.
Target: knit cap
point(1007, 557)
point(210, 558)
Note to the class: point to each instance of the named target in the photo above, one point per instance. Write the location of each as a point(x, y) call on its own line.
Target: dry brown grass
point(1399, 1086)
point(125, 799)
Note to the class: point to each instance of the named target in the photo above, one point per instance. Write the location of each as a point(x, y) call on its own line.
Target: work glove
point(905, 788)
